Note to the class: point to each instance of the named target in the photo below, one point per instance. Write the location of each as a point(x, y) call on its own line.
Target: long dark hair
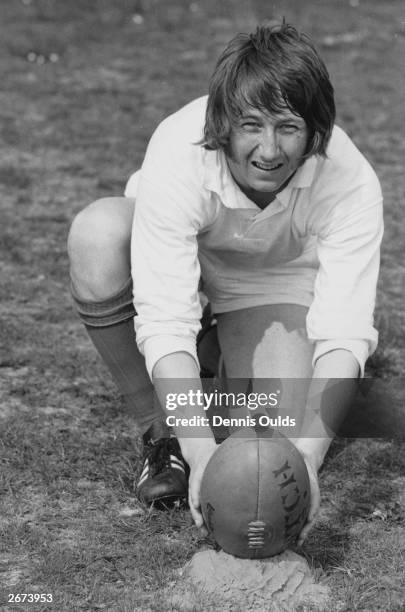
point(274, 69)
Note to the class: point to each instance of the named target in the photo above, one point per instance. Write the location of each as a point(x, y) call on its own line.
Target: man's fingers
point(194, 503)
point(316, 495)
point(308, 525)
point(197, 468)
point(315, 505)
point(304, 533)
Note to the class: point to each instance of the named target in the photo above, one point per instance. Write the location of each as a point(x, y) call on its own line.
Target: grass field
point(84, 83)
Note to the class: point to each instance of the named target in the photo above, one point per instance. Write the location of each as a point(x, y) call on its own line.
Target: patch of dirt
point(283, 582)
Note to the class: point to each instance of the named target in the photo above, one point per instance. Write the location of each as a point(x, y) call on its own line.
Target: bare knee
point(99, 247)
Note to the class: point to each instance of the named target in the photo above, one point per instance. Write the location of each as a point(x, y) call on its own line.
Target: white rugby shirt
point(317, 244)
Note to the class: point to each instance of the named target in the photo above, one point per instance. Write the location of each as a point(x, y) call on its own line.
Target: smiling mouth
point(267, 167)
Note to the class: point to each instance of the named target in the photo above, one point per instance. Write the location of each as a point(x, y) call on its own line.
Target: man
point(254, 191)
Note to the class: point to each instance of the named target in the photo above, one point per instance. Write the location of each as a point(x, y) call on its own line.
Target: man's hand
point(331, 393)
point(315, 501)
point(197, 452)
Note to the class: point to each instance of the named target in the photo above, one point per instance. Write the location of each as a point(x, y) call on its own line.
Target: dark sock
point(110, 326)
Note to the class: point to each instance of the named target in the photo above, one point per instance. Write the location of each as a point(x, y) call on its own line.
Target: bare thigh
point(266, 342)
point(267, 347)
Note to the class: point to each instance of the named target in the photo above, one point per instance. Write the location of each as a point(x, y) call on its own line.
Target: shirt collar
point(217, 178)
point(302, 179)
point(305, 173)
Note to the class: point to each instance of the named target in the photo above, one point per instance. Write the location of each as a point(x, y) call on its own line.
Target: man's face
point(264, 152)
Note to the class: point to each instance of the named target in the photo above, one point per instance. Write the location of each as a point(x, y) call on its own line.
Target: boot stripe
point(145, 470)
point(176, 463)
point(178, 467)
point(143, 477)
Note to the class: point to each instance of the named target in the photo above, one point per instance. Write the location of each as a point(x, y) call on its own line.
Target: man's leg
point(99, 252)
point(268, 346)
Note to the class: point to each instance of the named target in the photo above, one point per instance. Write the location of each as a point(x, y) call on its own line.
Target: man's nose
point(269, 146)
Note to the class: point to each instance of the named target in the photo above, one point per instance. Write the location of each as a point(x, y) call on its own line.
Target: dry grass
point(72, 131)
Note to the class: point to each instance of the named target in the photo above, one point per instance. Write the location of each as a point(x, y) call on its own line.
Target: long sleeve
point(164, 251)
point(341, 315)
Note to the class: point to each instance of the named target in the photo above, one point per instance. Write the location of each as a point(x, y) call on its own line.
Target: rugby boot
point(163, 482)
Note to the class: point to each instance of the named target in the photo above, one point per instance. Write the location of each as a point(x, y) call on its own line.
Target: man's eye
point(289, 127)
point(250, 125)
